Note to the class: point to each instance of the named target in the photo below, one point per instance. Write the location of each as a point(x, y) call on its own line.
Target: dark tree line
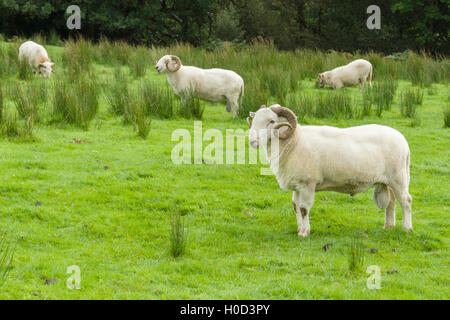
point(324, 24)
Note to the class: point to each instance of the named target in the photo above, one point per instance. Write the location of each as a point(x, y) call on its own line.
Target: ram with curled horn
point(323, 158)
point(213, 85)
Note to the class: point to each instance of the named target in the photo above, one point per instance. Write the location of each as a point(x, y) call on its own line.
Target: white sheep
point(323, 158)
point(37, 57)
point(358, 71)
point(214, 85)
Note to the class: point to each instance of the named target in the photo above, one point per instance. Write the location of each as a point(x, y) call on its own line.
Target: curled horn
point(291, 121)
point(178, 62)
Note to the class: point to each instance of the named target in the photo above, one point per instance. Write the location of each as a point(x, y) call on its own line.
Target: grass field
point(99, 196)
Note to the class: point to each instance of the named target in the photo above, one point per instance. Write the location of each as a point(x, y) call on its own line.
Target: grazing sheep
point(358, 71)
point(214, 85)
point(37, 57)
point(323, 158)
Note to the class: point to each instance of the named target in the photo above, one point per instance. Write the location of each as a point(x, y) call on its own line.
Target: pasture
point(86, 179)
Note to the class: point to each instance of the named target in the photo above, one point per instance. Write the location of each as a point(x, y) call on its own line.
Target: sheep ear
point(252, 114)
point(52, 64)
point(263, 106)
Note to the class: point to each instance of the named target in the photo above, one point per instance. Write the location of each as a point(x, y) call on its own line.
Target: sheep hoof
point(408, 228)
point(228, 108)
point(388, 226)
point(303, 233)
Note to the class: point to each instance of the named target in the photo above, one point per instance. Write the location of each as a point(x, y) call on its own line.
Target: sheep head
point(168, 63)
point(276, 120)
point(46, 69)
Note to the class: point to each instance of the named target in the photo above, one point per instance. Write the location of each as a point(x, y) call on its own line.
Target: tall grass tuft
point(178, 236)
point(355, 255)
point(138, 62)
point(7, 250)
point(26, 101)
point(192, 108)
point(382, 95)
point(302, 104)
point(336, 104)
point(117, 93)
point(447, 116)
point(10, 123)
point(366, 109)
point(157, 100)
point(2, 102)
point(75, 103)
point(78, 56)
point(25, 70)
point(254, 97)
point(409, 100)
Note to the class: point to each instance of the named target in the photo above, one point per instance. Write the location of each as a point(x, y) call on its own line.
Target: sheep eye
point(272, 121)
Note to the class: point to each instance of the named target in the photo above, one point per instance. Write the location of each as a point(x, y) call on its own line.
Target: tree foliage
point(324, 24)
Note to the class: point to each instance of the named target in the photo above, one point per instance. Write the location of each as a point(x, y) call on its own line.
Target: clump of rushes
point(301, 104)
point(409, 100)
point(254, 97)
point(75, 103)
point(355, 255)
point(2, 102)
point(447, 116)
point(192, 109)
point(78, 56)
point(382, 94)
point(138, 62)
point(118, 95)
point(337, 104)
point(25, 71)
point(136, 114)
point(157, 100)
point(178, 236)
point(366, 102)
point(26, 101)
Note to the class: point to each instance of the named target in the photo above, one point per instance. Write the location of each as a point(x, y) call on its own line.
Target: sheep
point(358, 71)
point(214, 85)
point(37, 57)
point(323, 158)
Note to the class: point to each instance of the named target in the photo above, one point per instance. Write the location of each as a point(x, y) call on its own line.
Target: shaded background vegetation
point(322, 24)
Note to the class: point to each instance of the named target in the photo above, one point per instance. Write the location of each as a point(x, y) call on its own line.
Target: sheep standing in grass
point(37, 57)
point(358, 71)
point(323, 158)
point(214, 85)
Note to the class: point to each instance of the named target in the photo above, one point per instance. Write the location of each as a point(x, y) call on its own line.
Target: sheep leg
point(389, 218)
point(338, 85)
point(363, 84)
point(405, 199)
point(304, 199)
point(228, 106)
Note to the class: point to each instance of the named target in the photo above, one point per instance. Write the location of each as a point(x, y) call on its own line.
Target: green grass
point(103, 198)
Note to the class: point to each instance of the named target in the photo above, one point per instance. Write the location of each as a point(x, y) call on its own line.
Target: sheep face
point(321, 80)
point(268, 123)
point(46, 69)
point(168, 63)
